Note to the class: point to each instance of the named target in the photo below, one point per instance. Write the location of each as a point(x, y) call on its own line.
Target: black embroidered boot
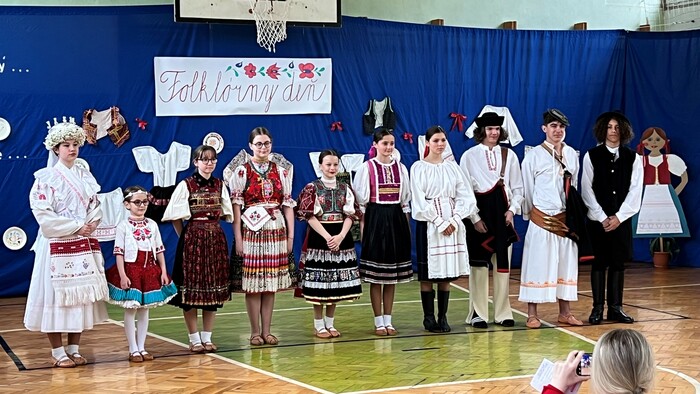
point(443, 302)
point(616, 284)
point(428, 300)
point(598, 288)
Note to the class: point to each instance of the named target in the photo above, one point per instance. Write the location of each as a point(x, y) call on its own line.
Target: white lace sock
point(72, 349)
point(329, 321)
point(379, 321)
point(205, 335)
point(194, 338)
point(319, 325)
point(141, 328)
point(58, 353)
point(130, 329)
point(387, 320)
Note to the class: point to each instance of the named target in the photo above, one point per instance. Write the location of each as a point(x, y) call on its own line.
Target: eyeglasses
point(208, 161)
point(259, 145)
point(139, 203)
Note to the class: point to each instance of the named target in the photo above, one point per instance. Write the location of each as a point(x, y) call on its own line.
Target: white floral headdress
point(64, 131)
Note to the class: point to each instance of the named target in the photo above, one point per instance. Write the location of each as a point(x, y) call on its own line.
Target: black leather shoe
point(507, 323)
point(596, 316)
point(615, 313)
point(478, 322)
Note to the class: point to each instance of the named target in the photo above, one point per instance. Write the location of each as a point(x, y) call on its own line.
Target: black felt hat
point(489, 119)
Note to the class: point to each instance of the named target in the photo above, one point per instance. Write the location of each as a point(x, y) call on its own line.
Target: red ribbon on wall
point(142, 123)
point(457, 121)
point(408, 137)
point(337, 126)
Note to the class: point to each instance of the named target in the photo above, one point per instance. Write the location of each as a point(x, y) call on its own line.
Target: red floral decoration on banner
point(273, 71)
point(408, 137)
point(457, 121)
point(306, 70)
point(337, 126)
point(142, 123)
point(250, 70)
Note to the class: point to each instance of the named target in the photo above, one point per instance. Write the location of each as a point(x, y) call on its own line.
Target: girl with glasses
point(201, 269)
point(264, 231)
point(139, 279)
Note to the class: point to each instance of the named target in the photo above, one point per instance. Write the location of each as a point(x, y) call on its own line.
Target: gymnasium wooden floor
point(467, 360)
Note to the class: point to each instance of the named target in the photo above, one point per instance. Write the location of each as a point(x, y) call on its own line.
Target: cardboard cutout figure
point(661, 213)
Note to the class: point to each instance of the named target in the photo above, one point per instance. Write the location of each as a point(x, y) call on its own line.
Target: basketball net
point(271, 21)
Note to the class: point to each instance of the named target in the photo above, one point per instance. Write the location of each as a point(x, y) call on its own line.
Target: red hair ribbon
point(142, 123)
point(457, 120)
point(408, 137)
point(336, 126)
point(426, 151)
point(372, 153)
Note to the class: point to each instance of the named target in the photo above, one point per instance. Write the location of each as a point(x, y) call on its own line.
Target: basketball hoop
point(270, 20)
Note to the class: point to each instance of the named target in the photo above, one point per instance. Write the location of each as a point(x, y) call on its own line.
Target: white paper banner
point(193, 86)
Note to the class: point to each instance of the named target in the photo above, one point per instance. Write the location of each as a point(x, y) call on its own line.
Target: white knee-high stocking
point(142, 326)
point(130, 329)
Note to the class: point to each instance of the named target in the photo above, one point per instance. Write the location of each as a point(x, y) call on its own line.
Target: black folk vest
point(611, 178)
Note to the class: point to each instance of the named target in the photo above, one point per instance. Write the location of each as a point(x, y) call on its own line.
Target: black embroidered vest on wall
point(376, 110)
point(611, 178)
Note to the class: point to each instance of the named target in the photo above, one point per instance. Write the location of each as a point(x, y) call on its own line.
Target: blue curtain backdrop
point(68, 59)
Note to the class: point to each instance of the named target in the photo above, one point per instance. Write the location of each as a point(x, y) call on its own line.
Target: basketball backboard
point(301, 12)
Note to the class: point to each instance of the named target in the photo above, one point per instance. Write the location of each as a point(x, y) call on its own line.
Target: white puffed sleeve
point(42, 200)
point(514, 183)
point(179, 206)
point(528, 172)
point(120, 238)
point(422, 210)
point(465, 201)
point(351, 208)
point(237, 185)
point(157, 239)
point(361, 186)
point(405, 189)
point(143, 155)
point(226, 206)
point(286, 176)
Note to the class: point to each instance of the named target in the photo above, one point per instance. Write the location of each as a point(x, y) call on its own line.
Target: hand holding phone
point(584, 367)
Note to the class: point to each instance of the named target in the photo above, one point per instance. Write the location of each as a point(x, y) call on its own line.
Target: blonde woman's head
point(623, 362)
